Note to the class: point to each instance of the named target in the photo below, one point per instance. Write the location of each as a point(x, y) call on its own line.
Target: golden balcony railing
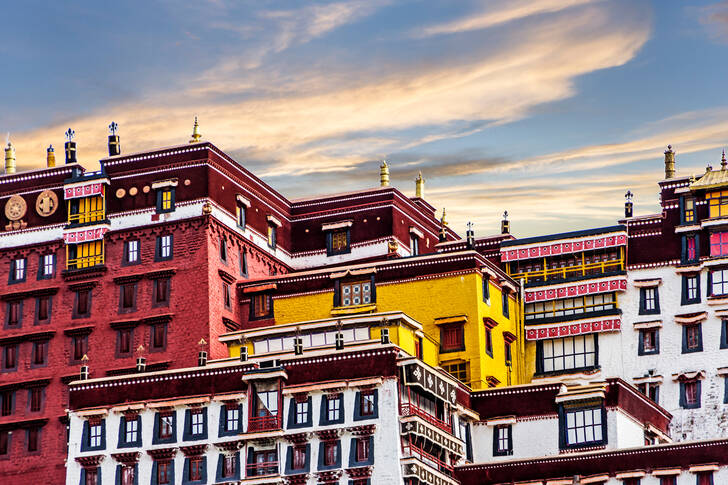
point(90, 216)
point(85, 262)
point(551, 274)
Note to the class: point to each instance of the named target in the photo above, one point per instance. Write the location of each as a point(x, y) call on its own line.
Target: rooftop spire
point(669, 163)
point(723, 163)
point(384, 174)
point(419, 186)
point(195, 133)
point(114, 146)
point(9, 157)
point(50, 157)
point(443, 224)
point(505, 224)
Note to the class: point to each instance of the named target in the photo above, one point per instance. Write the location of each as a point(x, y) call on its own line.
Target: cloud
point(495, 13)
point(715, 19)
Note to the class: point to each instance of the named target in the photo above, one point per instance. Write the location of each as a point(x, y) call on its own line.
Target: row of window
point(690, 392)
point(34, 403)
point(567, 354)
point(649, 303)
point(19, 268)
point(570, 306)
point(692, 339)
point(31, 437)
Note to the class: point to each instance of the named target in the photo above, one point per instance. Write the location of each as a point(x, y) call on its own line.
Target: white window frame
point(583, 426)
point(165, 246)
point(132, 249)
point(568, 353)
point(131, 431)
point(232, 419)
point(48, 264)
point(333, 408)
point(19, 269)
point(94, 434)
point(197, 423)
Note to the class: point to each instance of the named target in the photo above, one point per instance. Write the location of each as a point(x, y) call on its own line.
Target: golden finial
point(723, 162)
point(84, 359)
point(384, 174)
point(195, 133)
point(442, 219)
point(50, 157)
point(419, 186)
point(140, 349)
point(9, 157)
point(202, 342)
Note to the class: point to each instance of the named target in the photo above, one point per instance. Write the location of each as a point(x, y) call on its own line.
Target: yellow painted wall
point(425, 301)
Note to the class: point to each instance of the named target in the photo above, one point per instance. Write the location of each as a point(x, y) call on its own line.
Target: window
point(164, 247)
point(414, 245)
point(690, 394)
point(719, 282)
point(47, 266)
point(458, 370)
point(692, 338)
point(79, 347)
point(452, 337)
point(330, 453)
point(197, 422)
point(4, 442)
point(85, 255)
point(486, 289)
point(333, 408)
point(507, 352)
point(362, 449)
point(651, 390)
point(131, 253)
point(689, 211)
point(299, 458)
point(223, 250)
point(337, 242)
point(571, 306)
point(272, 234)
point(232, 419)
point(164, 476)
point(705, 478)
point(724, 334)
point(266, 403)
point(567, 353)
point(584, 427)
point(17, 270)
point(243, 264)
point(33, 435)
point(127, 297)
point(302, 409)
point(226, 300)
point(502, 440)
point(40, 353)
point(668, 480)
point(228, 466)
point(159, 336)
point(195, 468)
point(165, 200)
point(83, 304)
point(10, 357)
point(35, 399)
point(358, 293)
point(366, 403)
point(166, 425)
point(14, 314)
point(691, 249)
point(690, 289)
point(127, 475)
point(649, 341)
point(717, 203)
point(261, 306)
point(124, 339)
point(649, 303)
point(240, 214)
point(719, 244)
point(504, 302)
point(7, 398)
point(161, 290)
point(489, 341)
point(131, 430)
point(418, 347)
point(42, 309)
point(264, 463)
point(94, 435)
point(87, 209)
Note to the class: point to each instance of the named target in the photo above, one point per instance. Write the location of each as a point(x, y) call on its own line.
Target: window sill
point(592, 369)
point(354, 309)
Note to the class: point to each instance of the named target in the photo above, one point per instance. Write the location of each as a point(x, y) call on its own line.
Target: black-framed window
point(46, 266)
point(36, 398)
point(338, 241)
point(489, 341)
point(195, 427)
point(223, 250)
point(361, 451)
point(567, 353)
point(165, 200)
point(298, 459)
point(459, 370)
point(165, 247)
point(690, 394)
point(93, 435)
point(692, 338)
point(688, 211)
point(724, 334)
point(195, 470)
point(163, 472)
point(132, 252)
point(300, 412)
point(332, 409)
point(158, 337)
point(355, 292)
point(414, 245)
point(18, 270)
point(503, 440)
point(244, 263)
point(649, 341)
point(261, 306)
point(704, 478)
point(486, 289)
point(650, 389)
point(14, 314)
point(718, 282)
point(583, 426)
point(452, 337)
point(504, 302)
point(125, 342)
point(690, 251)
point(127, 297)
point(329, 455)
point(649, 301)
point(79, 347)
point(130, 431)
point(165, 427)
point(228, 467)
point(127, 474)
point(240, 214)
point(231, 419)
point(7, 402)
point(43, 309)
point(82, 304)
point(668, 480)
point(10, 357)
point(272, 235)
point(161, 290)
point(226, 296)
point(39, 354)
point(690, 289)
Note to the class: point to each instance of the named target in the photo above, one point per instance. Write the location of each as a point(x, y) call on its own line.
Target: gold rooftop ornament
point(384, 174)
point(196, 136)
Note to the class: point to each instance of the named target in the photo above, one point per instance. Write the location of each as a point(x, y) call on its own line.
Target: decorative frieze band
point(573, 328)
point(551, 249)
point(577, 289)
point(76, 236)
point(86, 189)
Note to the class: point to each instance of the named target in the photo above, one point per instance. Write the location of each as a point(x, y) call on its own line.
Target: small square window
point(452, 337)
point(649, 302)
point(649, 341)
point(502, 440)
point(692, 338)
point(331, 450)
point(47, 266)
point(367, 403)
point(158, 333)
point(356, 293)
point(458, 370)
point(164, 247)
point(583, 427)
point(132, 253)
point(262, 306)
point(719, 282)
point(10, 357)
point(40, 354)
point(17, 270)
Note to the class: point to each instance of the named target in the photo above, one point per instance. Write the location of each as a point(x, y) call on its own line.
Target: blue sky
point(550, 109)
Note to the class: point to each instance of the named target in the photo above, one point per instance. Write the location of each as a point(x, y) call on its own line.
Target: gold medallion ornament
point(46, 203)
point(15, 208)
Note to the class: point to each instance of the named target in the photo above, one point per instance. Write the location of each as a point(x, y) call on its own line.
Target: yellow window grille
point(718, 203)
point(458, 370)
point(87, 209)
point(85, 255)
point(166, 200)
point(339, 241)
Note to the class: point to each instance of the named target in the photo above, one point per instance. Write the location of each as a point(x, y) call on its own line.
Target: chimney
point(470, 236)
point(114, 146)
point(83, 374)
point(669, 163)
point(628, 205)
point(50, 157)
point(141, 364)
point(9, 158)
point(243, 353)
point(298, 346)
point(443, 224)
point(202, 358)
point(384, 174)
point(505, 224)
point(70, 147)
point(419, 186)
point(195, 133)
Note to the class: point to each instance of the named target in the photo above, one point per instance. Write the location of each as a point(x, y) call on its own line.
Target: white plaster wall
point(685, 478)
point(711, 419)
point(624, 431)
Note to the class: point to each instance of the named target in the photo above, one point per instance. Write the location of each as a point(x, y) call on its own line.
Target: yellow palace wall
point(426, 300)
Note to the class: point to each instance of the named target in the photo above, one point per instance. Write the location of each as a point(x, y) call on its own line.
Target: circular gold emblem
point(120, 193)
point(46, 203)
point(133, 191)
point(15, 208)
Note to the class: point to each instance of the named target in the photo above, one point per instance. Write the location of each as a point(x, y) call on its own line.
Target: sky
point(549, 109)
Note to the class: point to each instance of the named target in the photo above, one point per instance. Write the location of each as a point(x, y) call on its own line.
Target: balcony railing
point(85, 262)
point(410, 450)
point(90, 216)
point(409, 409)
point(262, 469)
point(570, 271)
point(264, 423)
